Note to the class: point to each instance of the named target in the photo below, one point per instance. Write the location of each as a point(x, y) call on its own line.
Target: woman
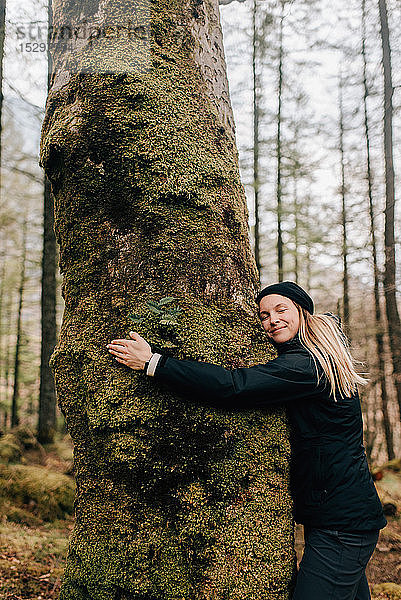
point(313, 374)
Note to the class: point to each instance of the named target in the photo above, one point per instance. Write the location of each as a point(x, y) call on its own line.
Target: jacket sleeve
point(283, 379)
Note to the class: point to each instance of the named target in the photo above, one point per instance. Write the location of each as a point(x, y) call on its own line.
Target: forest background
point(308, 93)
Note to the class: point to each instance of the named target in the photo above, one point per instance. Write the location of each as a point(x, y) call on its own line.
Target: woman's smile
point(279, 316)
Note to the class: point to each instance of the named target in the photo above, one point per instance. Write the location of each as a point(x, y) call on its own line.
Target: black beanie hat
point(290, 290)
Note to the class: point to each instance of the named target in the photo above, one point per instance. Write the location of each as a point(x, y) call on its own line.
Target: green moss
point(15, 514)
point(10, 448)
point(25, 436)
point(47, 495)
point(392, 591)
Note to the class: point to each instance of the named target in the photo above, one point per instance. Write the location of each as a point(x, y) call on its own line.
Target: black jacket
point(330, 480)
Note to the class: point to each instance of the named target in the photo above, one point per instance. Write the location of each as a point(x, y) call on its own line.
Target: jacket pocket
point(316, 492)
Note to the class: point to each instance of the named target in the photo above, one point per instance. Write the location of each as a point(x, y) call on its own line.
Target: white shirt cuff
point(153, 364)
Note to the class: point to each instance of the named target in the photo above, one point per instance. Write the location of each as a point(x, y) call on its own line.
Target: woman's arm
point(284, 379)
point(289, 377)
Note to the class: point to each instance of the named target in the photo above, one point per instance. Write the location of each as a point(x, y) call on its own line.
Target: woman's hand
point(132, 353)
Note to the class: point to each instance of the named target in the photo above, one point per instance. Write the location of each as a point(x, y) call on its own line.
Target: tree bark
point(256, 114)
point(3, 404)
point(346, 313)
point(280, 266)
point(296, 229)
point(7, 358)
point(47, 392)
point(2, 37)
point(17, 360)
point(174, 500)
point(393, 316)
point(376, 275)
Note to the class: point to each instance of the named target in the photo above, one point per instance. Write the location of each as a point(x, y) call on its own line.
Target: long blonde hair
point(322, 335)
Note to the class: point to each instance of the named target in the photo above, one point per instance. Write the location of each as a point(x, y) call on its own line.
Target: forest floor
point(33, 550)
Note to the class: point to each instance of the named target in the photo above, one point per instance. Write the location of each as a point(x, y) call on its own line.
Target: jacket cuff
point(156, 360)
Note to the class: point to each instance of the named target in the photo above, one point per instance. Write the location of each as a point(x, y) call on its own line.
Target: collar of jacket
point(291, 344)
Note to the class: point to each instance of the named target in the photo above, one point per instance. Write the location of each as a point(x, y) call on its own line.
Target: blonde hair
point(322, 335)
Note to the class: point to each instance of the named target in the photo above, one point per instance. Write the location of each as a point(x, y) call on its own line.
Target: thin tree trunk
point(368, 391)
point(256, 110)
point(2, 37)
point(393, 317)
point(2, 290)
point(308, 268)
point(370, 410)
point(47, 392)
point(14, 404)
point(346, 312)
point(296, 199)
point(8, 322)
point(296, 229)
point(378, 316)
point(149, 204)
point(279, 157)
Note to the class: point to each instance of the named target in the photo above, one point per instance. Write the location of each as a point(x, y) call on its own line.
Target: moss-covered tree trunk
point(174, 500)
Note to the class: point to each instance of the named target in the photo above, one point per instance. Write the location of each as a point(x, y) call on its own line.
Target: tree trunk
point(346, 314)
point(174, 500)
point(280, 266)
point(47, 392)
point(256, 112)
point(296, 229)
point(393, 317)
point(7, 358)
point(14, 403)
point(3, 394)
point(2, 37)
point(296, 201)
point(378, 316)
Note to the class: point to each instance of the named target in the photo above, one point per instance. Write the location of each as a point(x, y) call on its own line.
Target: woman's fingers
point(117, 352)
point(135, 338)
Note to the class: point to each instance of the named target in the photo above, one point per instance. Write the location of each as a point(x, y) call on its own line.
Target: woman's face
point(279, 316)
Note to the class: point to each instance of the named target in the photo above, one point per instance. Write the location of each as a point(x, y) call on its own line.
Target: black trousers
point(333, 565)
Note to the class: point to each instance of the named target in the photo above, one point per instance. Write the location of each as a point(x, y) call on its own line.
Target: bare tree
point(344, 253)
point(17, 357)
point(376, 274)
point(256, 141)
point(393, 317)
point(47, 392)
point(2, 37)
point(280, 265)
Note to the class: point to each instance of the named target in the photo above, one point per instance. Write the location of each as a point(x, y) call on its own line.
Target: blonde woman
point(314, 375)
